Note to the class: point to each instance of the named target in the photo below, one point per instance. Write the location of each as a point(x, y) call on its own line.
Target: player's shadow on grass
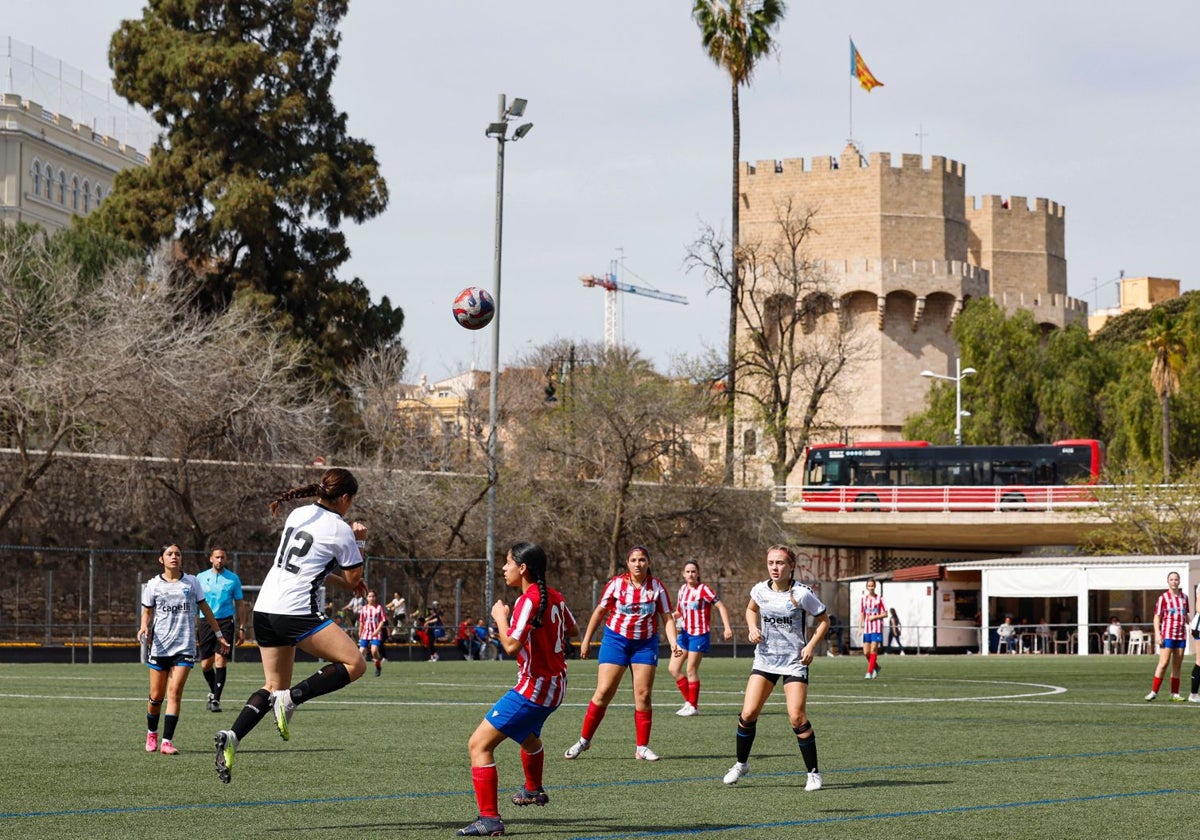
point(553, 826)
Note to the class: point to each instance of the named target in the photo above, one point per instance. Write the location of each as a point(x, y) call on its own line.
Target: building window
point(75, 192)
point(37, 177)
point(87, 197)
point(750, 442)
point(62, 188)
point(99, 195)
point(49, 173)
point(714, 451)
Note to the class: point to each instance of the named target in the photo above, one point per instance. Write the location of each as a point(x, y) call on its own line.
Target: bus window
point(1012, 472)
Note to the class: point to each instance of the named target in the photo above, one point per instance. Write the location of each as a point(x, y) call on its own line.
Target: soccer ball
point(474, 308)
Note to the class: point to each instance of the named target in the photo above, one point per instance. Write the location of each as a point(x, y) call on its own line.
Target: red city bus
point(915, 475)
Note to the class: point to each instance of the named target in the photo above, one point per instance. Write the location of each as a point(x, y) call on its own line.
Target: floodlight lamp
point(522, 130)
point(517, 108)
point(928, 373)
point(968, 371)
point(497, 130)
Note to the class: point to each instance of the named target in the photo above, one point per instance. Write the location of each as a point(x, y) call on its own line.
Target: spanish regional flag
point(860, 71)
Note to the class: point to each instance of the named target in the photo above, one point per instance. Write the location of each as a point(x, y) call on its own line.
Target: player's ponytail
point(533, 558)
point(334, 483)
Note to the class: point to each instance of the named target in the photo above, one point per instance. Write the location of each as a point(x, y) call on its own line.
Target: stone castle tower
point(903, 248)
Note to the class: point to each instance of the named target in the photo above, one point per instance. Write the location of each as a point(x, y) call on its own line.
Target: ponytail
point(334, 483)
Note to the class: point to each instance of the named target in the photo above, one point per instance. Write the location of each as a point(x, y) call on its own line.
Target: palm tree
point(1165, 343)
point(736, 34)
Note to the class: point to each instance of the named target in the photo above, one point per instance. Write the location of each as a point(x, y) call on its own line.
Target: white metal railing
point(938, 499)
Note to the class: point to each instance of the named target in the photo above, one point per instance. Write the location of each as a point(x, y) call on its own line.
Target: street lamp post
point(498, 130)
point(960, 373)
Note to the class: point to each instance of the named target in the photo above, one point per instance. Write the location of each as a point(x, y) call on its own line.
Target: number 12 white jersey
point(315, 542)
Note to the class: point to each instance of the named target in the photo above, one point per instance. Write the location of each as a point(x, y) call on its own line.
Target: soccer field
point(937, 747)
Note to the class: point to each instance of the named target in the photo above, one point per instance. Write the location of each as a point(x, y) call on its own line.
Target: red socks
point(641, 725)
point(1174, 685)
point(486, 783)
point(871, 657)
point(1156, 685)
point(591, 720)
point(693, 693)
point(682, 684)
point(533, 762)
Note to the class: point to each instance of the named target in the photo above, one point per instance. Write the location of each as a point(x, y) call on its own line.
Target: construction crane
point(611, 286)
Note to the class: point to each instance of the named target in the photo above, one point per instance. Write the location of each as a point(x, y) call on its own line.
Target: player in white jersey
point(170, 602)
point(777, 615)
point(316, 541)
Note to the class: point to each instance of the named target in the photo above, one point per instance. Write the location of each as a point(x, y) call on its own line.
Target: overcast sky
point(1093, 105)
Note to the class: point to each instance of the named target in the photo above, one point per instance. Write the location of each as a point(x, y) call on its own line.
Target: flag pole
point(850, 95)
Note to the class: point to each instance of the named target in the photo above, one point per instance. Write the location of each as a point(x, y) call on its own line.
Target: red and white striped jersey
point(370, 621)
point(872, 605)
point(541, 661)
point(634, 609)
point(1172, 612)
point(695, 605)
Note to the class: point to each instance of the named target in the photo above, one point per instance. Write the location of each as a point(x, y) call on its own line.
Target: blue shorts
point(872, 637)
point(615, 649)
point(366, 643)
point(517, 717)
point(1174, 644)
point(699, 643)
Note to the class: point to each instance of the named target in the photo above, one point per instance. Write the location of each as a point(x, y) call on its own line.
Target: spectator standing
point(398, 608)
point(466, 632)
point(432, 625)
point(837, 631)
point(777, 615)
point(694, 609)
point(894, 629)
point(223, 591)
point(1170, 635)
point(872, 613)
point(372, 619)
point(538, 635)
point(170, 603)
point(634, 603)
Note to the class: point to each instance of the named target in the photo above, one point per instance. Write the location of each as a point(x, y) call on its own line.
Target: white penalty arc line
point(1042, 690)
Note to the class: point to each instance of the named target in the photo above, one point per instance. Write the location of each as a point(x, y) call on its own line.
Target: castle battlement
point(852, 160)
point(1011, 301)
point(1015, 204)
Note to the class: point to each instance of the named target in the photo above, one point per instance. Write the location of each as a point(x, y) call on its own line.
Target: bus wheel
point(1012, 501)
point(867, 502)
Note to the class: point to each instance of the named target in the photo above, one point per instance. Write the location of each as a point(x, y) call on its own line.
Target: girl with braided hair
point(538, 635)
point(316, 540)
point(777, 615)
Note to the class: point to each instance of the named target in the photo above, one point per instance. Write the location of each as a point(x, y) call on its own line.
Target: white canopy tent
point(1074, 577)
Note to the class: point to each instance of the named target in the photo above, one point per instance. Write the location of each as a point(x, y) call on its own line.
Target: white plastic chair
point(1138, 642)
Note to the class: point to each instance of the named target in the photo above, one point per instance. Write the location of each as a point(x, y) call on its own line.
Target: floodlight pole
point(499, 130)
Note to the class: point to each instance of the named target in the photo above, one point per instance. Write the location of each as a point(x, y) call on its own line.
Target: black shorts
point(274, 630)
point(166, 663)
point(774, 678)
point(206, 639)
